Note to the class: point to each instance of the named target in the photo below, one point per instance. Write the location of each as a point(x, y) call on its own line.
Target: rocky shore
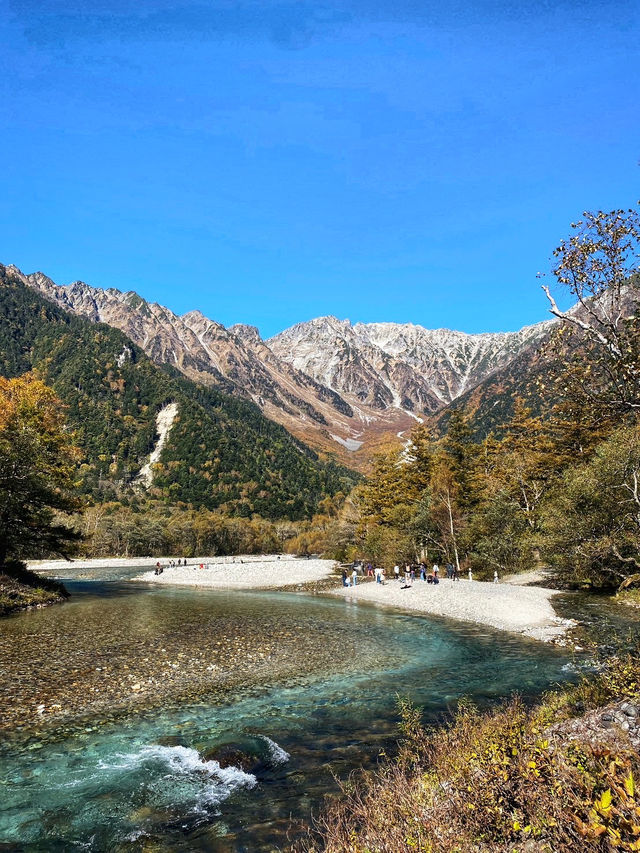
point(247, 572)
point(508, 607)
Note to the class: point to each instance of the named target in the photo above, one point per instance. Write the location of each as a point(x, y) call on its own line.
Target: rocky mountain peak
point(339, 386)
point(196, 320)
point(246, 332)
point(420, 369)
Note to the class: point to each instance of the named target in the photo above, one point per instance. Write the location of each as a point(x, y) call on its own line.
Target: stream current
point(157, 719)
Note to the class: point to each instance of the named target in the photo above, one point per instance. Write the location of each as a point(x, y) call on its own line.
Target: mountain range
point(342, 388)
point(145, 430)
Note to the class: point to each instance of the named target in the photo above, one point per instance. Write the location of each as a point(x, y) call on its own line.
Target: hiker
point(354, 577)
point(495, 576)
point(344, 578)
point(396, 572)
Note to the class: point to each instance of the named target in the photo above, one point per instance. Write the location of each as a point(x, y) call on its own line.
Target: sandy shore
point(508, 607)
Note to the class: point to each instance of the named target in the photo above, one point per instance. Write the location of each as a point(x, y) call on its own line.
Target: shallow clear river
point(120, 707)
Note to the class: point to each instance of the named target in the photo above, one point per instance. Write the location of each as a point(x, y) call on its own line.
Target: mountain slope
point(490, 404)
point(401, 365)
point(542, 374)
point(220, 451)
point(344, 389)
point(234, 360)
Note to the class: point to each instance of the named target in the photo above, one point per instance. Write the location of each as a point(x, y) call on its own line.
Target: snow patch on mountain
point(399, 365)
point(350, 443)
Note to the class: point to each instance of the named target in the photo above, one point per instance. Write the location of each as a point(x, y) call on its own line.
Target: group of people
point(351, 578)
point(410, 572)
point(159, 569)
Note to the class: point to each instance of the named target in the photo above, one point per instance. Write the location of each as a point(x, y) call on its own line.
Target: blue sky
point(268, 162)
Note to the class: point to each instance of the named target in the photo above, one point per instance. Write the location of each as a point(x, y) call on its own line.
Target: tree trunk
point(453, 535)
point(632, 580)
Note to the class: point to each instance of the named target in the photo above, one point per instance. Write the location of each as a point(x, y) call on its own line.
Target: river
point(118, 706)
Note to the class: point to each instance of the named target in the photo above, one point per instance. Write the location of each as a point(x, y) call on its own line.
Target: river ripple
point(114, 704)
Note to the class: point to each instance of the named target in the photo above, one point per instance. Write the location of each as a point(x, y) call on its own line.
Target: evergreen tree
point(461, 451)
point(592, 522)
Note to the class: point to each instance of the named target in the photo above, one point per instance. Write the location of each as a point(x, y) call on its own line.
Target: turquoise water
point(145, 776)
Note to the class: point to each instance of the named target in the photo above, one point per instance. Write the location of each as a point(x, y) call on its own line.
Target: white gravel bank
point(249, 572)
point(521, 610)
point(509, 607)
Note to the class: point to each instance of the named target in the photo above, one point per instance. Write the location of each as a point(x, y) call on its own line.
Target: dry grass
point(499, 781)
point(630, 597)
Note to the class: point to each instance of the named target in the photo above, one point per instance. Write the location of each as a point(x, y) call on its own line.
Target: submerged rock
point(235, 755)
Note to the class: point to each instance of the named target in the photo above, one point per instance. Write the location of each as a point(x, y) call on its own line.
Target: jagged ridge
point(341, 387)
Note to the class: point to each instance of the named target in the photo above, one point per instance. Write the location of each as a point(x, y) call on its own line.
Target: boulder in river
point(235, 755)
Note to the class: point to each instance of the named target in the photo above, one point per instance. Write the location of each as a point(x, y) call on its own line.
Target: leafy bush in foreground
point(509, 780)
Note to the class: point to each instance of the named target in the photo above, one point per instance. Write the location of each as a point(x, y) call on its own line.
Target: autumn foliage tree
point(599, 265)
point(37, 464)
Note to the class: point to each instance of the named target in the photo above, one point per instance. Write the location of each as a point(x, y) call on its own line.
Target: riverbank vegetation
point(37, 464)
point(559, 777)
point(539, 495)
point(21, 589)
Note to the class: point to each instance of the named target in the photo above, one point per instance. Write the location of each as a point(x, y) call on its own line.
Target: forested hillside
point(221, 452)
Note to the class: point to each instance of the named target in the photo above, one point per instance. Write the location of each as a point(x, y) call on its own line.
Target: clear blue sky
point(268, 162)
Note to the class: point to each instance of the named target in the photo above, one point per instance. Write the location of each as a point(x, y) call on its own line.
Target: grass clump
point(630, 597)
point(516, 779)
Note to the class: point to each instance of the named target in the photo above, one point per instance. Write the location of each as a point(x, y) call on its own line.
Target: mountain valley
point(344, 389)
